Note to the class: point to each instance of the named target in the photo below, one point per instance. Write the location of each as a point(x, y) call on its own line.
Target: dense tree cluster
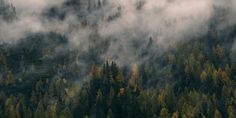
point(40, 77)
point(204, 86)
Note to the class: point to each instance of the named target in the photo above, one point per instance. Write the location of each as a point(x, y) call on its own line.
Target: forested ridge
point(199, 83)
point(83, 74)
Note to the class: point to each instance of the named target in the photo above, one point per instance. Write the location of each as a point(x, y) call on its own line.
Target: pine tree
point(29, 113)
point(203, 76)
point(110, 114)
point(10, 78)
point(164, 113)
point(217, 114)
point(111, 97)
point(53, 110)
point(17, 110)
point(39, 113)
point(95, 71)
point(175, 114)
point(83, 102)
point(66, 113)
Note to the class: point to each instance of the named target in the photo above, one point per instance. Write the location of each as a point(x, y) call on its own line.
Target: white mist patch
point(15, 30)
point(29, 19)
point(229, 10)
point(34, 6)
point(167, 21)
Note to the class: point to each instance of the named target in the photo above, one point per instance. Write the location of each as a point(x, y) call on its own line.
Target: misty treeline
point(105, 59)
point(8, 11)
point(36, 82)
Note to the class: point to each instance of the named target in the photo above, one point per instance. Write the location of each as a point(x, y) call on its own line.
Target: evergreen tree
point(39, 113)
point(110, 114)
point(66, 113)
point(164, 113)
point(217, 114)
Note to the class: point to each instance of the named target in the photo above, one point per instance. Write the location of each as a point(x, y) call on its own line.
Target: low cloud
point(28, 7)
point(28, 19)
point(166, 22)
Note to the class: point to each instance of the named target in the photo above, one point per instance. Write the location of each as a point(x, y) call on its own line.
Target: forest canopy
point(117, 59)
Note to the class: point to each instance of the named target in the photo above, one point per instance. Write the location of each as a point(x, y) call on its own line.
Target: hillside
point(117, 59)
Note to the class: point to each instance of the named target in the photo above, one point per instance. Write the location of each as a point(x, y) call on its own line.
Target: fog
point(166, 22)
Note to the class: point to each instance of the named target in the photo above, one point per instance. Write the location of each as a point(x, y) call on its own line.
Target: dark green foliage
point(39, 78)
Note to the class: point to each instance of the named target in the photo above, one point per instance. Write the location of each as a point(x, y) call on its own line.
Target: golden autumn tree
point(133, 82)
